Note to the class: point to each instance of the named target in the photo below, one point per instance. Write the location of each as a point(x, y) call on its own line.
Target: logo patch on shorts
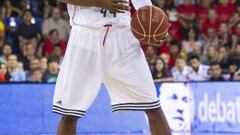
point(59, 102)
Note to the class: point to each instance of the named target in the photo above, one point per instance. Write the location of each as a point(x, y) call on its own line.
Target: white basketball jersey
point(96, 17)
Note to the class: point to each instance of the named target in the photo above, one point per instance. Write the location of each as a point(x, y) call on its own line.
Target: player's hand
point(119, 6)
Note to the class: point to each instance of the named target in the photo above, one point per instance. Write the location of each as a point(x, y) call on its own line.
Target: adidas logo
point(59, 102)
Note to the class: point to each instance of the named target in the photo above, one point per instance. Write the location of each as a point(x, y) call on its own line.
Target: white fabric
point(181, 76)
point(119, 64)
point(92, 16)
point(201, 75)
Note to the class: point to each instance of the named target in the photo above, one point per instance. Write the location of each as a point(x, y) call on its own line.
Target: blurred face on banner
point(176, 103)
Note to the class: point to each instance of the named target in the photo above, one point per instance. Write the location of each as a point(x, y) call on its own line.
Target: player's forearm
point(118, 6)
point(90, 3)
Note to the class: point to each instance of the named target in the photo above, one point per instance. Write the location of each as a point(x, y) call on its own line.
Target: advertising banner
point(197, 107)
point(217, 107)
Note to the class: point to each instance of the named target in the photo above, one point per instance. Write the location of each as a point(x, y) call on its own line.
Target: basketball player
point(102, 49)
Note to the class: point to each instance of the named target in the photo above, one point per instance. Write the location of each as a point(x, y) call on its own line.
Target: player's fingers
point(121, 7)
point(117, 11)
point(120, 1)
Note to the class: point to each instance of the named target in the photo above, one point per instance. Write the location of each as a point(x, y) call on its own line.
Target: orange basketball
point(150, 24)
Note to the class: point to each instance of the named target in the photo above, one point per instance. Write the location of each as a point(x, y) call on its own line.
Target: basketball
point(150, 25)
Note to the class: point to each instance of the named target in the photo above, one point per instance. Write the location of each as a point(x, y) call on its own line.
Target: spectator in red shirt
point(233, 5)
point(187, 10)
point(3, 71)
point(175, 30)
point(211, 22)
point(175, 49)
point(224, 10)
point(202, 11)
point(235, 19)
point(54, 40)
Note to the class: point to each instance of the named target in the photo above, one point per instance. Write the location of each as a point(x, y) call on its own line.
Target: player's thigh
point(80, 74)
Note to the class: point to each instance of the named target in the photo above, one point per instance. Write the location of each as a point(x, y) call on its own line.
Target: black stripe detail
point(68, 114)
point(135, 109)
point(54, 106)
point(131, 106)
point(135, 104)
point(78, 113)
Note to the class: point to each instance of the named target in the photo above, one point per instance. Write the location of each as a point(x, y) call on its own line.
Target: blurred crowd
point(204, 41)
point(33, 36)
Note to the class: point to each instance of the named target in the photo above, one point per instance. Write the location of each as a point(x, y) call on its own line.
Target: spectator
point(11, 10)
point(197, 51)
point(223, 57)
point(216, 72)
point(187, 10)
point(224, 37)
point(237, 76)
point(27, 30)
point(20, 65)
point(212, 22)
point(200, 72)
point(224, 10)
point(175, 49)
point(57, 54)
point(51, 74)
point(236, 36)
point(56, 22)
point(15, 74)
point(36, 75)
point(52, 42)
point(43, 64)
point(3, 72)
point(34, 64)
point(46, 9)
point(212, 56)
point(166, 58)
point(176, 26)
point(191, 42)
point(236, 54)
point(233, 71)
point(202, 10)
point(2, 34)
point(6, 51)
point(150, 56)
point(209, 39)
point(28, 54)
point(181, 71)
point(161, 73)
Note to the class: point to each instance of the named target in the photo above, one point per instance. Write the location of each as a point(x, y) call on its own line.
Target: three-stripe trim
point(63, 111)
point(135, 106)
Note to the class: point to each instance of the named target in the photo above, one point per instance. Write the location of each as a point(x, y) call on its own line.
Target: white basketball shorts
point(112, 56)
